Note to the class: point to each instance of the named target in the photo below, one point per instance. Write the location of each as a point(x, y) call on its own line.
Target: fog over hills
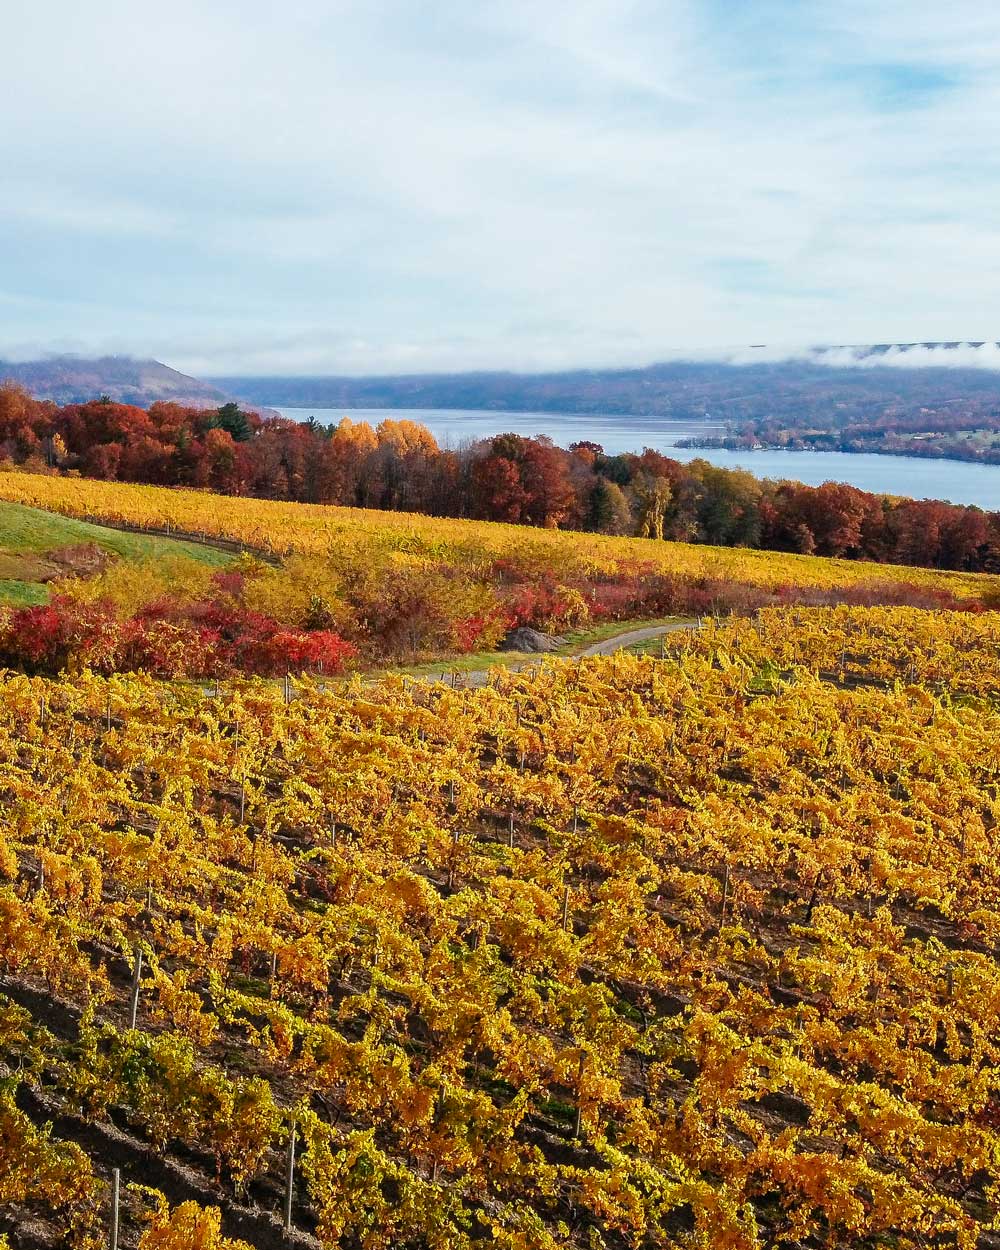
point(825, 385)
point(848, 383)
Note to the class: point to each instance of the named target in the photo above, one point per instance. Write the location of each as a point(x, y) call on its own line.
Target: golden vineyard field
point(317, 530)
point(621, 953)
point(950, 652)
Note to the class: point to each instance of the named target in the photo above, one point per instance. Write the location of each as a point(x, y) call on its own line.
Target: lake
point(955, 480)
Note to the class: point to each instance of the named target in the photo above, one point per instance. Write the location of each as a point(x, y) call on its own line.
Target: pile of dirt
point(77, 560)
point(525, 639)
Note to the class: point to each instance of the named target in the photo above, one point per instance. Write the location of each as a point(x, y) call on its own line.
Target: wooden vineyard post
point(451, 866)
point(725, 899)
point(578, 1124)
point(133, 1011)
point(116, 1190)
point(565, 911)
point(814, 896)
point(290, 1180)
point(510, 831)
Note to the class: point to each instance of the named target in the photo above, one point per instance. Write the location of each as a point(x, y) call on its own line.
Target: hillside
point(38, 549)
point(364, 538)
point(830, 387)
point(691, 952)
point(825, 385)
point(398, 465)
point(322, 589)
point(612, 952)
point(76, 379)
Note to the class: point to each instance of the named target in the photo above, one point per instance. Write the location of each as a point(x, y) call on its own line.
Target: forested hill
point(77, 379)
point(828, 387)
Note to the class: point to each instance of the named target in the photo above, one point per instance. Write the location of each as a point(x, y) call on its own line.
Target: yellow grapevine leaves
point(623, 952)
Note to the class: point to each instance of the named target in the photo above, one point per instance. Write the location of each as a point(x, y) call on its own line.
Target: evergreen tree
point(233, 420)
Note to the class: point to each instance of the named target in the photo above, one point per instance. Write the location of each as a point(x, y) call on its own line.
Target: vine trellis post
point(133, 1009)
point(116, 1191)
point(290, 1179)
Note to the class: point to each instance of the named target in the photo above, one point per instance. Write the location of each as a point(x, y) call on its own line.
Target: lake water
point(955, 480)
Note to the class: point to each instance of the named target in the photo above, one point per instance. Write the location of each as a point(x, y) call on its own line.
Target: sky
point(331, 186)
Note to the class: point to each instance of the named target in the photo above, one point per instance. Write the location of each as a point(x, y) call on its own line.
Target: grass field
point(29, 535)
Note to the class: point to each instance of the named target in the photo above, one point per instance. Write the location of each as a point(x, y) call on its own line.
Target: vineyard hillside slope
point(689, 952)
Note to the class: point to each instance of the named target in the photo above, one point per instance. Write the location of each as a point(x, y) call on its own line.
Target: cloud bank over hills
point(685, 384)
point(954, 355)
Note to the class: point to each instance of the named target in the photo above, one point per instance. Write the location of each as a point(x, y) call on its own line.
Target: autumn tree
point(609, 509)
point(651, 495)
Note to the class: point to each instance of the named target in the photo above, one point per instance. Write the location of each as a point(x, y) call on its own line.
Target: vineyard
point(360, 534)
point(949, 653)
point(628, 952)
point(291, 587)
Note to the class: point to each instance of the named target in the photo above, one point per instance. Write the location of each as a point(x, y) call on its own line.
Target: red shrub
point(208, 639)
point(230, 582)
point(286, 650)
point(167, 649)
point(469, 632)
point(34, 638)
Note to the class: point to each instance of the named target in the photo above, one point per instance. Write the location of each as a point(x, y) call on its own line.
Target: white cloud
point(372, 185)
point(897, 356)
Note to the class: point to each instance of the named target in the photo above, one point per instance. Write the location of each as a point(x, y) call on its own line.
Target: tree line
point(399, 466)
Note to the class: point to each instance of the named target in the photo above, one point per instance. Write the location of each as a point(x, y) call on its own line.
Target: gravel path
point(632, 636)
point(617, 642)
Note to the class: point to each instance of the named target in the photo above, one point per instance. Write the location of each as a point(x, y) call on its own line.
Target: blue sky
point(384, 186)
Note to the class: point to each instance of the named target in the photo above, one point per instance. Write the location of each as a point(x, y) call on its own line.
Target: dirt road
point(619, 641)
point(607, 646)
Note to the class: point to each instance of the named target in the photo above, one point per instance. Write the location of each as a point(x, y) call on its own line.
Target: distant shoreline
point(923, 449)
